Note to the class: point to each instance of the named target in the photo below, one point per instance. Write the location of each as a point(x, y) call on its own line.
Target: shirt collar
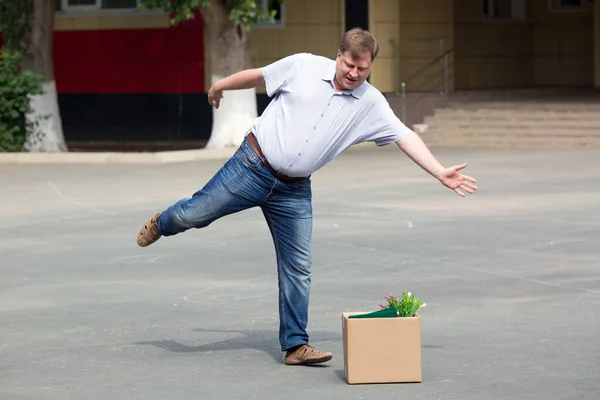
point(329, 75)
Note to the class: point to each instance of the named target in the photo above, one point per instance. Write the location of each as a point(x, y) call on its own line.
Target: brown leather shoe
point(149, 232)
point(306, 354)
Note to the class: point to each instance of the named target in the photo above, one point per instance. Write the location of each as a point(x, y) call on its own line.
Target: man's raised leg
point(236, 187)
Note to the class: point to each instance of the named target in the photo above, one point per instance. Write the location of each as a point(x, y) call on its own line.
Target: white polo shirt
point(307, 123)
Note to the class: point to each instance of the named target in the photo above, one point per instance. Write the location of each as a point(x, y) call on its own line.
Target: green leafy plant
point(16, 85)
point(15, 22)
point(247, 12)
point(406, 306)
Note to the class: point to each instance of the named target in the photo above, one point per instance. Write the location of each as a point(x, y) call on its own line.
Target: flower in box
point(405, 306)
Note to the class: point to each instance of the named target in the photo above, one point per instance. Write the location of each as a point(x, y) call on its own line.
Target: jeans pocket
point(248, 157)
point(302, 183)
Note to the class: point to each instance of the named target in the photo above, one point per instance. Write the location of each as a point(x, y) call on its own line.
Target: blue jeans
point(244, 182)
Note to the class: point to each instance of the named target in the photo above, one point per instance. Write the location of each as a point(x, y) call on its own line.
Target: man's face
point(351, 73)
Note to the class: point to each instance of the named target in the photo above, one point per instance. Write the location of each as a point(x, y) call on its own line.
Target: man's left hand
point(458, 182)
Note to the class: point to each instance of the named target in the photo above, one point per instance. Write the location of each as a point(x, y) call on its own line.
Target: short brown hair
point(359, 42)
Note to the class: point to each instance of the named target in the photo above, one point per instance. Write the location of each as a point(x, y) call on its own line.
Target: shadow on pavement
point(259, 340)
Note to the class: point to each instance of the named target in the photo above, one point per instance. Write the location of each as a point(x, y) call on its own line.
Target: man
point(320, 107)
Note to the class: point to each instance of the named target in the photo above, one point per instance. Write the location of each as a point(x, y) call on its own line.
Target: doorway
point(357, 14)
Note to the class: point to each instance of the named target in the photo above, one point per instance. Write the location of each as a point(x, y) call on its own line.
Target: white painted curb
point(159, 157)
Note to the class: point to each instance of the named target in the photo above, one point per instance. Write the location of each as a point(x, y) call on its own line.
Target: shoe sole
point(142, 240)
point(319, 360)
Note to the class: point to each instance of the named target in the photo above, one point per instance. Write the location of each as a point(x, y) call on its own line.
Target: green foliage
point(406, 306)
point(15, 20)
point(16, 85)
point(247, 12)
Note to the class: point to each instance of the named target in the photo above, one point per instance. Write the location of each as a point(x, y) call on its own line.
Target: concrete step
point(514, 145)
point(529, 106)
point(591, 128)
point(490, 143)
point(518, 139)
point(517, 135)
point(515, 113)
point(534, 123)
point(573, 123)
point(540, 94)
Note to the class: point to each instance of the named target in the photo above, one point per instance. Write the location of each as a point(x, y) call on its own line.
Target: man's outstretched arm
point(246, 79)
point(450, 177)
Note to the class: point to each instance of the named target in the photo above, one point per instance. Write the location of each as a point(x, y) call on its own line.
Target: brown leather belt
point(283, 178)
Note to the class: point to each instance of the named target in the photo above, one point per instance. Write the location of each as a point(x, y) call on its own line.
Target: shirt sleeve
point(383, 126)
point(276, 74)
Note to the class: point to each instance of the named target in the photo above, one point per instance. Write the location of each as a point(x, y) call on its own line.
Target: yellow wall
point(383, 24)
point(313, 26)
point(549, 48)
point(422, 24)
point(597, 44)
point(316, 26)
point(110, 21)
point(562, 45)
point(489, 54)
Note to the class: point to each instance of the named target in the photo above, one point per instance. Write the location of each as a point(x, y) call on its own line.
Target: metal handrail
point(429, 64)
point(444, 57)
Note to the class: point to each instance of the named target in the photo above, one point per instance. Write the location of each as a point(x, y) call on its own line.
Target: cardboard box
point(382, 350)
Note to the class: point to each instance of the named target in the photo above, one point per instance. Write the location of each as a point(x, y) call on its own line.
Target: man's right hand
point(214, 96)
point(249, 78)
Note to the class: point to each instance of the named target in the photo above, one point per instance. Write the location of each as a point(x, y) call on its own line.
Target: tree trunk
point(229, 48)
point(39, 57)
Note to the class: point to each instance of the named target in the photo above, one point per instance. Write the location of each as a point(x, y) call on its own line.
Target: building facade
point(124, 74)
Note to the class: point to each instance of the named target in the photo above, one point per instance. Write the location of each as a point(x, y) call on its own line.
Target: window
point(569, 5)
point(504, 10)
point(272, 5)
point(81, 2)
point(119, 4)
point(95, 5)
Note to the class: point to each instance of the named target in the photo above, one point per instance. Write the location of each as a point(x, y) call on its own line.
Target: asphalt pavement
point(510, 277)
